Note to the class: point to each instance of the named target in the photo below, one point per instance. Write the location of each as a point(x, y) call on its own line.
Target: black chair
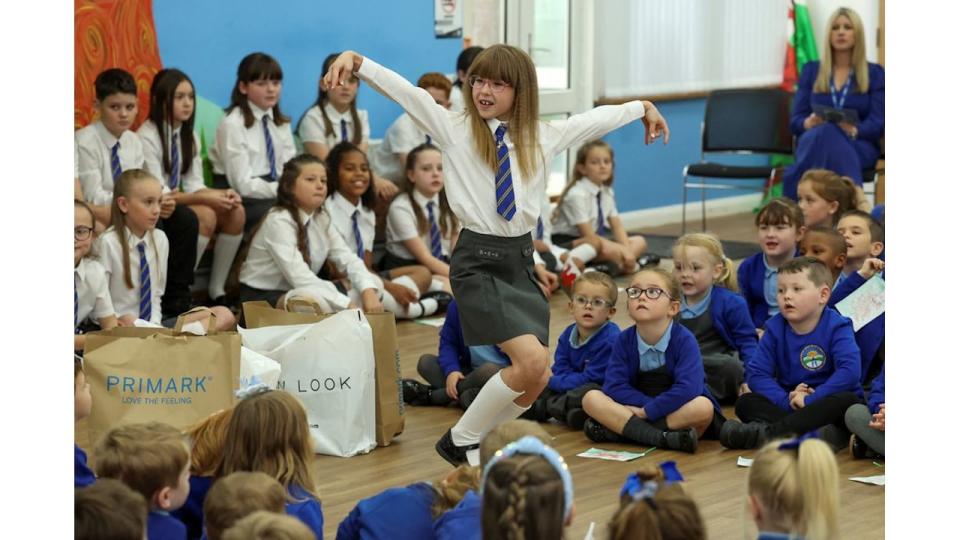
point(754, 121)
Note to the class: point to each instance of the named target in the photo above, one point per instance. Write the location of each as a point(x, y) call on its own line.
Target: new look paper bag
point(328, 365)
point(389, 403)
point(154, 374)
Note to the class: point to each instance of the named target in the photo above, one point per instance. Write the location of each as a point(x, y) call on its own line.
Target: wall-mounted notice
point(448, 18)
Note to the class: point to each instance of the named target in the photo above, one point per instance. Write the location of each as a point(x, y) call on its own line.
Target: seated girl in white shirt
point(91, 297)
point(350, 206)
point(587, 209)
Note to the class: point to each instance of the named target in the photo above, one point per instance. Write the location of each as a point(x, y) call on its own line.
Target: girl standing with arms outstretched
point(493, 160)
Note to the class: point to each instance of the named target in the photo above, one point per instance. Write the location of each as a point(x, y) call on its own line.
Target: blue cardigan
point(191, 513)
point(396, 513)
point(750, 280)
point(462, 522)
point(306, 509)
point(870, 337)
point(82, 475)
point(731, 319)
point(683, 361)
point(826, 359)
point(454, 354)
point(869, 106)
point(163, 526)
point(575, 367)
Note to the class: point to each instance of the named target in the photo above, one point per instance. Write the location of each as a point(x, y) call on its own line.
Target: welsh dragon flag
point(801, 48)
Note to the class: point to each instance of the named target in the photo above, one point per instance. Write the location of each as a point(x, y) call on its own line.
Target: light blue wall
point(208, 39)
point(651, 176)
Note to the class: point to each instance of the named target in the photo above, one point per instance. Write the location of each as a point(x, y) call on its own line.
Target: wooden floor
point(712, 476)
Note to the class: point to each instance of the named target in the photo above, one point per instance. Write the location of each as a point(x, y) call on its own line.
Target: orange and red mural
point(113, 33)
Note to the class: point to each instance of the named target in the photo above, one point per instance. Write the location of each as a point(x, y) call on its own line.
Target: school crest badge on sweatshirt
point(813, 358)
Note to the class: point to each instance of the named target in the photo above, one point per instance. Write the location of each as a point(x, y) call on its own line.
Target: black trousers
point(754, 407)
point(556, 405)
point(429, 368)
point(181, 229)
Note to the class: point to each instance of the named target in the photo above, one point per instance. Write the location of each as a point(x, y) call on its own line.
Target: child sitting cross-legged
point(153, 460)
point(582, 351)
point(806, 372)
point(653, 390)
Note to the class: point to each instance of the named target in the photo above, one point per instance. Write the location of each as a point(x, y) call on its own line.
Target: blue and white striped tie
point(428, 139)
point(146, 298)
point(271, 155)
point(504, 180)
point(601, 229)
point(540, 228)
point(175, 162)
point(436, 248)
point(343, 129)
point(358, 238)
point(115, 167)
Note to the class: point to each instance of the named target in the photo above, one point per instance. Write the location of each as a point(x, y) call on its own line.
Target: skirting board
point(665, 215)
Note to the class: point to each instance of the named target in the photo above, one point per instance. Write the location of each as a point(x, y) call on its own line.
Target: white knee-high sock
point(223, 254)
point(407, 282)
point(510, 411)
point(435, 285)
point(202, 243)
point(479, 418)
point(413, 310)
point(584, 252)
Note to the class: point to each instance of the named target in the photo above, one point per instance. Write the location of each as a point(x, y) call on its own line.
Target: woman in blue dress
point(842, 80)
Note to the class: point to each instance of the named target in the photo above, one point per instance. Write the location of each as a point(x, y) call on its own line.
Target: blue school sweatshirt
point(454, 354)
point(878, 391)
point(82, 475)
point(397, 513)
point(750, 279)
point(462, 522)
point(731, 319)
point(826, 359)
point(575, 366)
point(306, 509)
point(870, 337)
point(163, 526)
point(191, 513)
point(683, 362)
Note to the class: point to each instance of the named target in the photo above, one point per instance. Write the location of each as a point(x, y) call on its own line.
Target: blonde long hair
point(711, 244)
point(513, 66)
point(798, 488)
point(118, 220)
point(858, 57)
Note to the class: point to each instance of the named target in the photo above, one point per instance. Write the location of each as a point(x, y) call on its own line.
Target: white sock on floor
point(223, 254)
point(202, 243)
point(479, 418)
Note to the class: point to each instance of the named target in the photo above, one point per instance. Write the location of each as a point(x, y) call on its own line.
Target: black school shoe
point(443, 299)
point(576, 418)
point(455, 455)
point(683, 440)
point(648, 260)
point(607, 268)
point(739, 436)
point(860, 450)
point(597, 432)
point(415, 392)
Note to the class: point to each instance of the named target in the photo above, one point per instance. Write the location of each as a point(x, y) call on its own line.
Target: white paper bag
point(329, 366)
point(256, 368)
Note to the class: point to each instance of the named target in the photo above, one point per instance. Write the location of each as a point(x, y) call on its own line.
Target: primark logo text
point(157, 385)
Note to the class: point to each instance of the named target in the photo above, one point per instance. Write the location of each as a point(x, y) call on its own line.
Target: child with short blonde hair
point(792, 489)
point(263, 525)
point(716, 315)
point(653, 392)
point(109, 509)
point(237, 495)
point(154, 460)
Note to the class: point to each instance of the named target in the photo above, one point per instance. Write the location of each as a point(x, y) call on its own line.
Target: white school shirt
point(402, 224)
point(190, 181)
point(93, 295)
point(313, 130)
point(127, 301)
point(456, 98)
point(241, 153)
point(580, 206)
point(468, 180)
point(402, 136)
point(94, 148)
point(275, 263)
point(341, 215)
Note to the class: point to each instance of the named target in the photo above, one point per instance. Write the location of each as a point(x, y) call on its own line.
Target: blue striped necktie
point(436, 248)
point(504, 181)
point(146, 298)
point(428, 139)
point(540, 228)
point(600, 227)
point(343, 129)
point(358, 238)
point(175, 162)
point(271, 155)
point(115, 161)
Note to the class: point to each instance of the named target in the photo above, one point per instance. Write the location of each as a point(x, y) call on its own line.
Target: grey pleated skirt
point(496, 289)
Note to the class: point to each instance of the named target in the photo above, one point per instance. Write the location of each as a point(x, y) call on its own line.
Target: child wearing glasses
point(717, 316)
point(582, 351)
point(91, 295)
point(653, 392)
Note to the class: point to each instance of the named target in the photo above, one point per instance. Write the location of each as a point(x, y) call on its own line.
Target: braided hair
point(523, 499)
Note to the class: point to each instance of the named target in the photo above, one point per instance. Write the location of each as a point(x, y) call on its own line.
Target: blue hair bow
point(638, 489)
point(794, 443)
point(533, 446)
